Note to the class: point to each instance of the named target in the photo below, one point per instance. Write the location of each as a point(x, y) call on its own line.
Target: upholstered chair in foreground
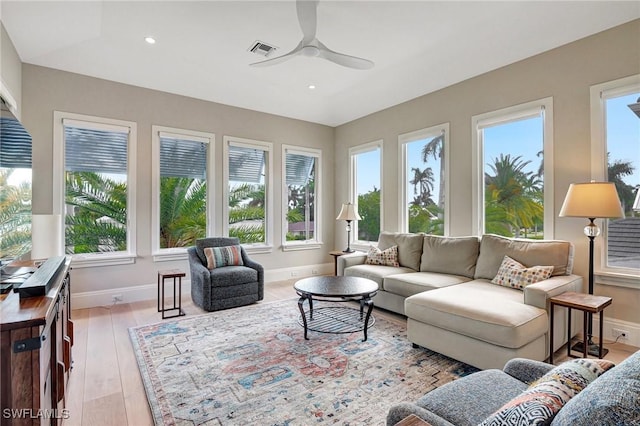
point(222, 275)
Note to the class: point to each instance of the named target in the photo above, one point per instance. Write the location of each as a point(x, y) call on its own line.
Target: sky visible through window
point(623, 134)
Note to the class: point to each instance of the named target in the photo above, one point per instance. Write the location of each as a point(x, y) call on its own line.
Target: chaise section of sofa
point(486, 324)
point(443, 285)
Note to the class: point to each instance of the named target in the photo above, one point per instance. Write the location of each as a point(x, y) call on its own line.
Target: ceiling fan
point(310, 45)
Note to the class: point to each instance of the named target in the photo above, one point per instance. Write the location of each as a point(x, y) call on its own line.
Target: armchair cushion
point(218, 257)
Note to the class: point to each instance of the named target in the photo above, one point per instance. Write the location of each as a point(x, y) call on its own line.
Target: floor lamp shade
point(46, 237)
point(592, 200)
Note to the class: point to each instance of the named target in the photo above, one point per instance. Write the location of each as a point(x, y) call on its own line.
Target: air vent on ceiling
point(262, 49)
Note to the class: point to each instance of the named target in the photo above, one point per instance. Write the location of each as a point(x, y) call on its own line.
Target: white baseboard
point(297, 272)
point(632, 328)
point(91, 299)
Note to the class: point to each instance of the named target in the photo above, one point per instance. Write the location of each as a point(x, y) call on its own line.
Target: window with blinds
point(247, 169)
point(300, 185)
point(180, 186)
point(97, 187)
point(514, 165)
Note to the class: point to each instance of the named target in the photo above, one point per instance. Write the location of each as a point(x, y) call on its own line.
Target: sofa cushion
point(388, 257)
point(514, 274)
point(449, 255)
point(375, 272)
point(409, 247)
point(545, 397)
point(217, 257)
point(406, 285)
point(612, 399)
point(481, 310)
point(493, 248)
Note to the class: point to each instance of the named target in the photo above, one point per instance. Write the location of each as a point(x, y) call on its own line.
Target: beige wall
point(47, 90)
point(565, 73)
point(10, 68)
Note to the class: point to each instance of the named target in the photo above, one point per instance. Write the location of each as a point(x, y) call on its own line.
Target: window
point(424, 184)
point(301, 188)
point(97, 187)
point(15, 187)
point(513, 171)
point(248, 209)
point(616, 158)
point(366, 178)
point(180, 189)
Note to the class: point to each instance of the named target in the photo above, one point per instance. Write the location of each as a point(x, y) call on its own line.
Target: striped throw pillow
point(223, 256)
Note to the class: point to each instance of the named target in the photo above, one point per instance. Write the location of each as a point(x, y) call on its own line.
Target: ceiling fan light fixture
point(310, 51)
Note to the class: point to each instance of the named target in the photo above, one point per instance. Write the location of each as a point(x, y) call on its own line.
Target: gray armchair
point(224, 287)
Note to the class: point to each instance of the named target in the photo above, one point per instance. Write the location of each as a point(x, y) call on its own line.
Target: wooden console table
point(36, 336)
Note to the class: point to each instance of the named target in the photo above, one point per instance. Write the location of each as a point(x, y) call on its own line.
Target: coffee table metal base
point(335, 319)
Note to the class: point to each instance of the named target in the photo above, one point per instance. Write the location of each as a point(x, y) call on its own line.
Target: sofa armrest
point(351, 259)
point(526, 370)
point(405, 409)
point(538, 294)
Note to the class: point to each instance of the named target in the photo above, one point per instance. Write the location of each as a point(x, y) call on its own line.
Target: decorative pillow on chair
point(514, 274)
point(388, 257)
point(546, 396)
point(223, 256)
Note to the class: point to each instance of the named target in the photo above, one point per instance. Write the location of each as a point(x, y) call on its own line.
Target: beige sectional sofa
point(443, 285)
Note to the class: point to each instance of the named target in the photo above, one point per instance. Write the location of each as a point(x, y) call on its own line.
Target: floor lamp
point(349, 212)
point(591, 200)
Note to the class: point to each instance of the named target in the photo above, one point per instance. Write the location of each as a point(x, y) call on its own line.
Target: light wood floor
point(105, 387)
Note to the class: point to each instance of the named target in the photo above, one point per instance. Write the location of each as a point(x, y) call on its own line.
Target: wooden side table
point(336, 254)
point(588, 304)
point(176, 275)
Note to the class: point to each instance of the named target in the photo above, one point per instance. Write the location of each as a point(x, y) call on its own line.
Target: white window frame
point(504, 116)
point(86, 260)
point(353, 179)
point(316, 242)
point(228, 141)
point(178, 253)
point(405, 139)
point(622, 277)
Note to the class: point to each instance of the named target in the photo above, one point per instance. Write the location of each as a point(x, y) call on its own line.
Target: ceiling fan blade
point(279, 59)
point(308, 19)
point(344, 60)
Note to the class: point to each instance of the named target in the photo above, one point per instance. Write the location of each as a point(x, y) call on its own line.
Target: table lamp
point(349, 212)
point(591, 200)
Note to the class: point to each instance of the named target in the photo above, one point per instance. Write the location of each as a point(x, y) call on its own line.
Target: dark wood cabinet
point(36, 337)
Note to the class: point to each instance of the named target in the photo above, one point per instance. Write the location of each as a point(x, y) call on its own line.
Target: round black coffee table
point(332, 319)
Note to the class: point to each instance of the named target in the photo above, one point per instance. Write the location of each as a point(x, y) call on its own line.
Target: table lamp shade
point(592, 200)
point(348, 212)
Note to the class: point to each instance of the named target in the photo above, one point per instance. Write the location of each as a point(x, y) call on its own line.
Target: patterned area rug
point(252, 366)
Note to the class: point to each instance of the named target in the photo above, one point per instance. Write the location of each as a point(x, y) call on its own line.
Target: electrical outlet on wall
point(620, 334)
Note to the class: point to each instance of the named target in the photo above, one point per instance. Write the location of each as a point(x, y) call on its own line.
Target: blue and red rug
point(252, 366)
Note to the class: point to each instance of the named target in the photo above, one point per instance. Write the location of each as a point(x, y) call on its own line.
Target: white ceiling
point(202, 47)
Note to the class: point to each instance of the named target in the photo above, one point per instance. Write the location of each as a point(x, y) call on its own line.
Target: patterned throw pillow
point(388, 257)
point(546, 396)
point(223, 256)
point(514, 274)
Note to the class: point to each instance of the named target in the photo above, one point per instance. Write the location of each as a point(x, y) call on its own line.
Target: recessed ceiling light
point(150, 40)
point(312, 86)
